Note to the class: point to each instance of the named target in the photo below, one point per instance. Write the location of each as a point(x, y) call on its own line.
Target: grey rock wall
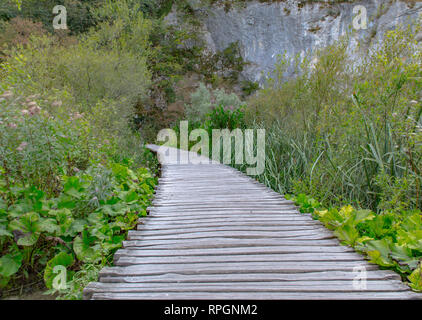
point(265, 30)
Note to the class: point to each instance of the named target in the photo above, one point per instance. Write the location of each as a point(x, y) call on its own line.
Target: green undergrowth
point(67, 198)
point(74, 176)
point(391, 240)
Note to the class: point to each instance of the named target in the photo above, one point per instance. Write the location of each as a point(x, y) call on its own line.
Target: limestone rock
point(265, 30)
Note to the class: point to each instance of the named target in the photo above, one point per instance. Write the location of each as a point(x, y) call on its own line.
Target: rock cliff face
point(264, 30)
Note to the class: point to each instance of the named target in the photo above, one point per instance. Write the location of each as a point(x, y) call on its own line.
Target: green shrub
point(390, 239)
point(204, 101)
point(225, 118)
point(35, 148)
point(200, 104)
point(80, 17)
point(347, 133)
point(227, 100)
point(18, 31)
point(72, 181)
point(67, 197)
point(222, 66)
point(249, 87)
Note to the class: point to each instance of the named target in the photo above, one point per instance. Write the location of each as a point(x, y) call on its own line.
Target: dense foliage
point(80, 16)
point(348, 132)
point(72, 182)
point(65, 194)
point(391, 240)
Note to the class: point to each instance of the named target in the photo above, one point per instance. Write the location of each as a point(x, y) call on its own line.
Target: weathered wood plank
point(170, 278)
point(306, 257)
point(202, 214)
point(228, 219)
point(142, 230)
point(297, 286)
point(257, 296)
point(304, 234)
point(233, 267)
point(185, 212)
point(226, 243)
point(263, 212)
point(229, 251)
point(156, 224)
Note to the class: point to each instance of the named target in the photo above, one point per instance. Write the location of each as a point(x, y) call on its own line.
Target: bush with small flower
point(67, 196)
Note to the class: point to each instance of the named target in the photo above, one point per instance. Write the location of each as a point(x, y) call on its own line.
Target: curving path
point(214, 233)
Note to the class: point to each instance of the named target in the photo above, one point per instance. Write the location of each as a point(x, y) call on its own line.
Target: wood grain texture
point(214, 233)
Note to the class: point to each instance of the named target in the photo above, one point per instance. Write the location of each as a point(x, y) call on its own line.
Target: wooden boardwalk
point(214, 233)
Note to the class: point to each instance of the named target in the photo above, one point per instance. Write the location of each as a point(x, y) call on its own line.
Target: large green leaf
point(130, 197)
point(28, 222)
point(10, 264)
point(416, 278)
point(66, 201)
point(76, 227)
point(380, 226)
point(85, 249)
point(4, 232)
point(347, 233)
point(74, 186)
point(61, 259)
point(363, 215)
point(30, 225)
point(412, 222)
point(64, 220)
point(122, 173)
point(331, 218)
point(379, 251)
point(29, 239)
point(412, 239)
point(117, 209)
point(49, 226)
point(404, 257)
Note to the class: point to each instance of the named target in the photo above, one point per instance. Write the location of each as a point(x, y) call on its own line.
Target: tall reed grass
point(347, 133)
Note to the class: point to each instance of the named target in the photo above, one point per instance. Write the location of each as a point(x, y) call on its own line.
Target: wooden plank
point(257, 296)
point(229, 219)
point(194, 212)
point(279, 287)
point(244, 236)
point(229, 251)
point(228, 206)
point(186, 214)
point(222, 196)
point(306, 257)
point(198, 190)
point(169, 278)
point(142, 230)
point(211, 202)
point(233, 267)
point(251, 189)
point(156, 224)
point(303, 234)
point(226, 243)
point(211, 196)
point(275, 212)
